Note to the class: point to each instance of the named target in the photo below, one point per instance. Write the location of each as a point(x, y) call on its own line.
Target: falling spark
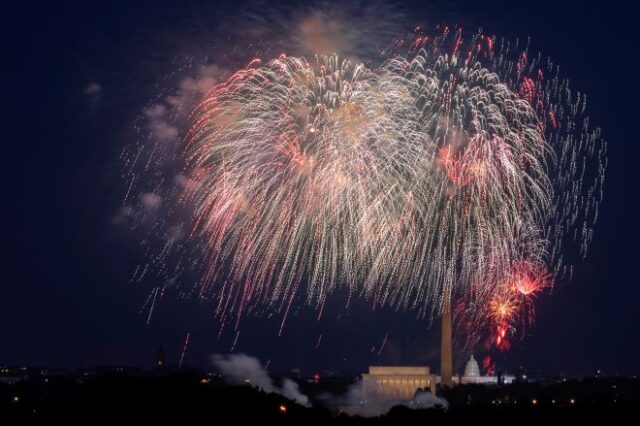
point(235, 341)
point(184, 349)
point(319, 340)
point(384, 342)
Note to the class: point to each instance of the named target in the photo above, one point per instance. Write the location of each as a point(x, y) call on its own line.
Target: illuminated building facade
point(472, 375)
point(397, 383)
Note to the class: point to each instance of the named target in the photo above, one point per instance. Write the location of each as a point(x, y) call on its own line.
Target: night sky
point(66, 298)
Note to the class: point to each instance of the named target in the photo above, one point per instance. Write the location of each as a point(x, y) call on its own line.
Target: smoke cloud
point(354, 403)
point(242, 368)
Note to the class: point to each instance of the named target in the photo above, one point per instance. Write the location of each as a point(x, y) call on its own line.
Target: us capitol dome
point(472, 375)
point(472, 369)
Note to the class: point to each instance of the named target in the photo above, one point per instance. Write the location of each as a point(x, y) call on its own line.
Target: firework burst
point(454, 170)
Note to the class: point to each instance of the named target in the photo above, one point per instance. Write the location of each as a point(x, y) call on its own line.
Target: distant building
point(296, 373)
point(397, 383)
point(472, 375)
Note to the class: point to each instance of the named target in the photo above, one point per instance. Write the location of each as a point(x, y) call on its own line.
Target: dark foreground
point(192, 397)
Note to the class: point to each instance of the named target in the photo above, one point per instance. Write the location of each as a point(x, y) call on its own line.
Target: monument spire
point(446, 351)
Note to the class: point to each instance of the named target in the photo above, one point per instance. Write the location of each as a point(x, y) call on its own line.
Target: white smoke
point(151, 200)
point(242, 368)
point(159, 124)
point(92, 89)
point(427, 400)
point(355, 403)
point(93, 94)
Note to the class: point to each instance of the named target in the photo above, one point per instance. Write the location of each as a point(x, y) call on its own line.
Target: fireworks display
point(455, 170)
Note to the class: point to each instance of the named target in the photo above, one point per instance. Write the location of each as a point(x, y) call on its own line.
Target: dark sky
point(65, 296)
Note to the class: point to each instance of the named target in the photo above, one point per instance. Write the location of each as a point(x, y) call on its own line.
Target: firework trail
point(384, 342)
point(456, 170)
point(235, 341)
point(187, 340)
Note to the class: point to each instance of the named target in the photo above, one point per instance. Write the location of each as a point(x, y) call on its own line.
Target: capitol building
point(472, 375)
